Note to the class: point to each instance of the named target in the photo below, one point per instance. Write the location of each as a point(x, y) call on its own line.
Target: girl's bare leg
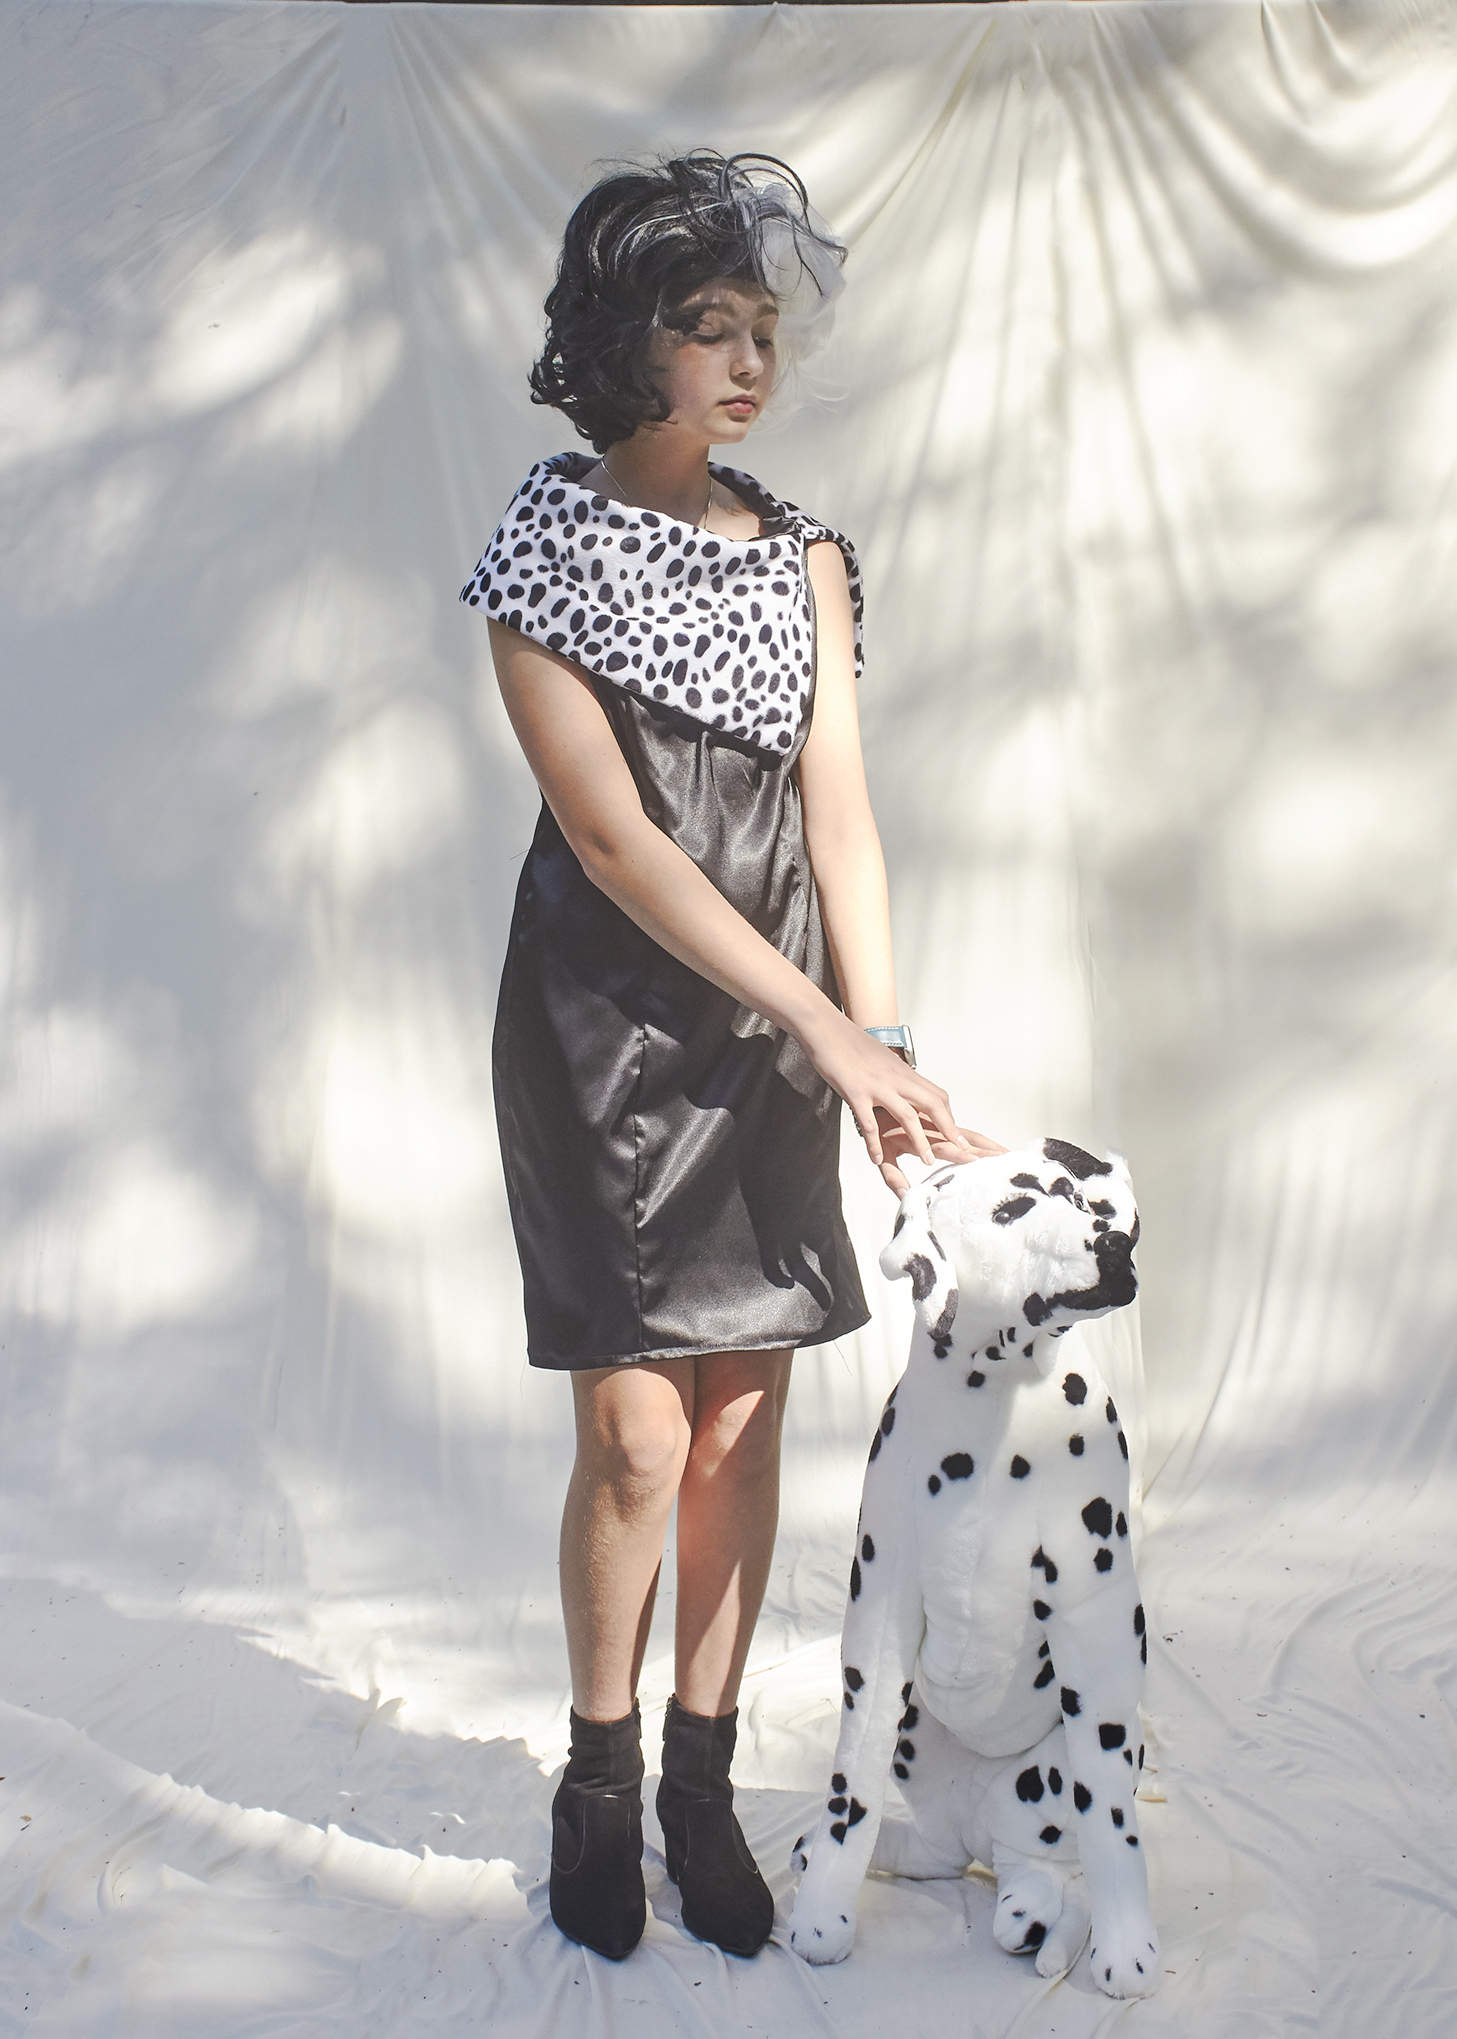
point(634, 1429)
point(728, 1512)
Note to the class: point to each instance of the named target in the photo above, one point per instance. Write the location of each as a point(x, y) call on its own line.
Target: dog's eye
point(1014, 1208)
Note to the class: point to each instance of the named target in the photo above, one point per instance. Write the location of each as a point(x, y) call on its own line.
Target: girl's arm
point(585, 781)
point(844, 844)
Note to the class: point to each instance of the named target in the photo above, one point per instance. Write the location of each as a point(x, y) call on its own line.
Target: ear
point(915, 1251)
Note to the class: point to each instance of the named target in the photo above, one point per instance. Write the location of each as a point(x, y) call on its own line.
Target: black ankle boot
point(725, 1899)
point(596, 1837)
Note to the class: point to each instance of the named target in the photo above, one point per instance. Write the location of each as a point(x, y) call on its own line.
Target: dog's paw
point(1065, 1940)
point(821, 1938)
point(1029, 1905)
point(1124, 1956)
point(799, 1855)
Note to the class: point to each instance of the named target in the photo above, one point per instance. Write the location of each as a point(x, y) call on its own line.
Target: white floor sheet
point(1142, 405)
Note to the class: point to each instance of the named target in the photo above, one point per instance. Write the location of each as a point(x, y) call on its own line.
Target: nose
point(1116, 1274)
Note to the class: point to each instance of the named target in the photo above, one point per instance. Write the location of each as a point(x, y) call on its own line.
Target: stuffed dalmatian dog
point(994, 1644)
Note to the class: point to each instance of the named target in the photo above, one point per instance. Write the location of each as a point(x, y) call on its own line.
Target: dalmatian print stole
point(720, 629)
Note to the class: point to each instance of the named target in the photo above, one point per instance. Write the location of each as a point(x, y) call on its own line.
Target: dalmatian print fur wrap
point(722, 629)
point(994, 1644)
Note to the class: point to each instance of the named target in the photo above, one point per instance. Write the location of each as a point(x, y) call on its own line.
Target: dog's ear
point(916, 1253)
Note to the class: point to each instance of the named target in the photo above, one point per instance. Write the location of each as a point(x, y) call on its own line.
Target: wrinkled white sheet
point(1143, 408)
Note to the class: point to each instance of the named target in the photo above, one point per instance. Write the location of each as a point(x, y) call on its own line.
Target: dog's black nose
point(1116, 1276)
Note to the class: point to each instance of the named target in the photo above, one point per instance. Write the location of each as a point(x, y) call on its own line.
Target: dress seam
point(637, 1214)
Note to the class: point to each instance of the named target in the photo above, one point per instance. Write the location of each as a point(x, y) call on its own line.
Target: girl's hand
point(894, 1142)
point(896, 1110)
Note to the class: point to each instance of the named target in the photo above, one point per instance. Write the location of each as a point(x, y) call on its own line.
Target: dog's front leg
point(882, 1636)
point(1095, 1647)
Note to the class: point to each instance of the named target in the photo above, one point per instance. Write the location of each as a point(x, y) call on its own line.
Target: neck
point(657, 471)
point(1002, 1362)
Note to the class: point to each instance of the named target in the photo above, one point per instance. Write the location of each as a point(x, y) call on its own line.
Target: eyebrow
point(768, 309)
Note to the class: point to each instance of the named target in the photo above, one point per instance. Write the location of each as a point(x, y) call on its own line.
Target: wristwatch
point(898, 1040)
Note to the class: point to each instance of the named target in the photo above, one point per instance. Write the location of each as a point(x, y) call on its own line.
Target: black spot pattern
point(837, 1782)
point(1019, 1467)
point(1041, 1609)
point(1082, 1797)
point(1123, 1444)
point(1050, 1835)
point(1112, 1734)
point(854, 1578)
point(1121, 1524)
point(853, 1678)
point(1075, 1159)
point(1076, 1389)
point(567, 568)
point(974, 1380)
point(1054, 1782)
point(1071, 1702)
point(1044, 1677)
point(1075, 1445)
point(957, 1465)
point(922, 1274)
point(867, 1549)
point(1131, 1839)
point(1109, 1411)
point(933, 1485)
point(1029, 1786)
point(1103, 1562)
point(1138, 1619)
point(1098, 1517)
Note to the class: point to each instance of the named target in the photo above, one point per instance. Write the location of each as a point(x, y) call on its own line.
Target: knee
point(639, 1453)
point(739, 1441)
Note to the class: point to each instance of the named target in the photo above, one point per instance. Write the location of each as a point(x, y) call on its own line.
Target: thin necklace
point(707, 507)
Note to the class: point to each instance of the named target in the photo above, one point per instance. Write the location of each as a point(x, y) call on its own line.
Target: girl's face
point(718, 372)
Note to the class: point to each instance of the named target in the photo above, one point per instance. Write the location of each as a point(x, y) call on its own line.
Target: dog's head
point(1007, 1248)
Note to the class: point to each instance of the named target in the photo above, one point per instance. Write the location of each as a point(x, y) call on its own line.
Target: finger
point(894, 1180)
point(915, 1132)
point(869, 1132)
point(937, 1108)
point(981, 1143)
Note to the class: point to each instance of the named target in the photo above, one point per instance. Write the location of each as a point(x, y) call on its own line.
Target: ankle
point(605, 1755)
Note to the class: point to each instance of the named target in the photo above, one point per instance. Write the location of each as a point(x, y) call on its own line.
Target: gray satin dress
point(671, 1158)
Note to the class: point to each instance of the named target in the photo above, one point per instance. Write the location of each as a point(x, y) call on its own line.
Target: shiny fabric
point(671, 1158)
point(720, 629)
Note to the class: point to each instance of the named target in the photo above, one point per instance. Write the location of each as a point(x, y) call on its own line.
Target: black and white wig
point(642, 241)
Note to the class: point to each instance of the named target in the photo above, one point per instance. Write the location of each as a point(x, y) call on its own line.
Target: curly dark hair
point(640, 243)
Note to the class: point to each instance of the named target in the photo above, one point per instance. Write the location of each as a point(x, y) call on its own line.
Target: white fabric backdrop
point(1143, 414)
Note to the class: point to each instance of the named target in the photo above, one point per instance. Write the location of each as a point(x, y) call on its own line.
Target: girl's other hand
point(894, 1142)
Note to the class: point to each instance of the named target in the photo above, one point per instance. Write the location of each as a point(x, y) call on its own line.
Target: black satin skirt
point(671, 1158)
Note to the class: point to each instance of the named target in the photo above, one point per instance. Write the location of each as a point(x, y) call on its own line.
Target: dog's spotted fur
point(994, 1641)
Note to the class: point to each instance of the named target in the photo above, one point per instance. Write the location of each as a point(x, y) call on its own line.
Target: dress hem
point(695, 1351)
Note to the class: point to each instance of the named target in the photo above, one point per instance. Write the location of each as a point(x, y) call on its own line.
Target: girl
point(699, 970)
